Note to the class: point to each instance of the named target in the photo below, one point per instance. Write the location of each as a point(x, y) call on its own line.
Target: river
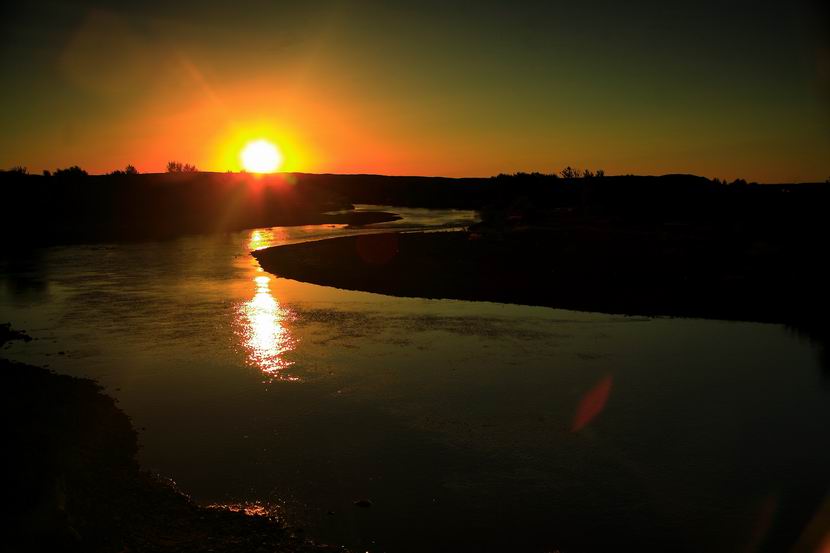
point(469, 426)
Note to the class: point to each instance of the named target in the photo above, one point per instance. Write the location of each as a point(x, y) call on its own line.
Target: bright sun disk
point(260, 156)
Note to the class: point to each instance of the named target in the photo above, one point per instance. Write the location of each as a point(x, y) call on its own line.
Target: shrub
point(179, 167)
point(73, 171)
point(129, 170)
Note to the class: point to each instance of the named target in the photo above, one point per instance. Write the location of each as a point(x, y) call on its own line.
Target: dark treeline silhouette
point(632, 195)
point(73, 172)
point(128, 170)
point(69, 205)
point(179, 167)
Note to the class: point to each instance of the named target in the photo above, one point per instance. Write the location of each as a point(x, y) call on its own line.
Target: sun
point(260, 156)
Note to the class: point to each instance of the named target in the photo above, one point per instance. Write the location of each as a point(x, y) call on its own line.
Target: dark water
point(469, 426)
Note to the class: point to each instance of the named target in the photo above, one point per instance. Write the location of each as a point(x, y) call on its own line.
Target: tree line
point(76, 171)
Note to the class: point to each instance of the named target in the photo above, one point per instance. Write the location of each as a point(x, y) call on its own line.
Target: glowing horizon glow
point(261, 156)
point(358, 92)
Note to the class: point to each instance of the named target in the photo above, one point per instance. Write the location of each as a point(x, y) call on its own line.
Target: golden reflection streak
point(250, 508)
point(264, 332)
point(263, 238)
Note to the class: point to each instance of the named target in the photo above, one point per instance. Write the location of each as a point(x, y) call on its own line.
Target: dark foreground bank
point(73, 483)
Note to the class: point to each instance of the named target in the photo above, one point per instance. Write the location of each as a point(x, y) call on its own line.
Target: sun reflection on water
point(265, 335)
point(263, 238)
point(250, 508)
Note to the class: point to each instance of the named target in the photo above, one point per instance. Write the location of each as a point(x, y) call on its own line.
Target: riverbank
point(74, 483)
point(586, 268)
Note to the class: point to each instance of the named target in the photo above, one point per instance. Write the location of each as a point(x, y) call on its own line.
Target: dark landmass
point(71, 206)
point(676, 245)
point(545, 190)
point(582, 269)
point(79, 208)
point(73, 483)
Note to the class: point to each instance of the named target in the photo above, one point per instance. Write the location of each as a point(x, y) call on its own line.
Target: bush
point(179, 167)
point(569, 173)
point(129, 170)
point(73, 171)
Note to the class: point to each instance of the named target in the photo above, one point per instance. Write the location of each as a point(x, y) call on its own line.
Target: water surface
point(470, 426)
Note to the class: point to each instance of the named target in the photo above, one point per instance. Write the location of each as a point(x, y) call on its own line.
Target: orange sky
point(349, 90)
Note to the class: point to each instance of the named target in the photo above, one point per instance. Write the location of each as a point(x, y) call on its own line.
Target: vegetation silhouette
point(70, 206)
point(128, 170)
point(73, 172)
point(179, 167)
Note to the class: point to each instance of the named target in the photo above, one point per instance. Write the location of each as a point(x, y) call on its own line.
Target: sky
point(726, 89)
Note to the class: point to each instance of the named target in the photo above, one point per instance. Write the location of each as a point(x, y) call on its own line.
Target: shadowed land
point(78, 208)
point(75, 484)
point(71, 206)
point(610, 272)
point(676, 245)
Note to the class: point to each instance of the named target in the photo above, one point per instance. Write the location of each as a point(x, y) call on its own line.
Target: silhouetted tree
point(47, 173)
point(587, 174)
point(129, 170)
point(523, 176)
point(73, 171)
point(179, 167)
point(600, 173)
point(569, 173)
point(17, 170)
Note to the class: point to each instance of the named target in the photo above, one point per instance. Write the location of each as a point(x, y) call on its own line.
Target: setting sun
point(261, 156)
